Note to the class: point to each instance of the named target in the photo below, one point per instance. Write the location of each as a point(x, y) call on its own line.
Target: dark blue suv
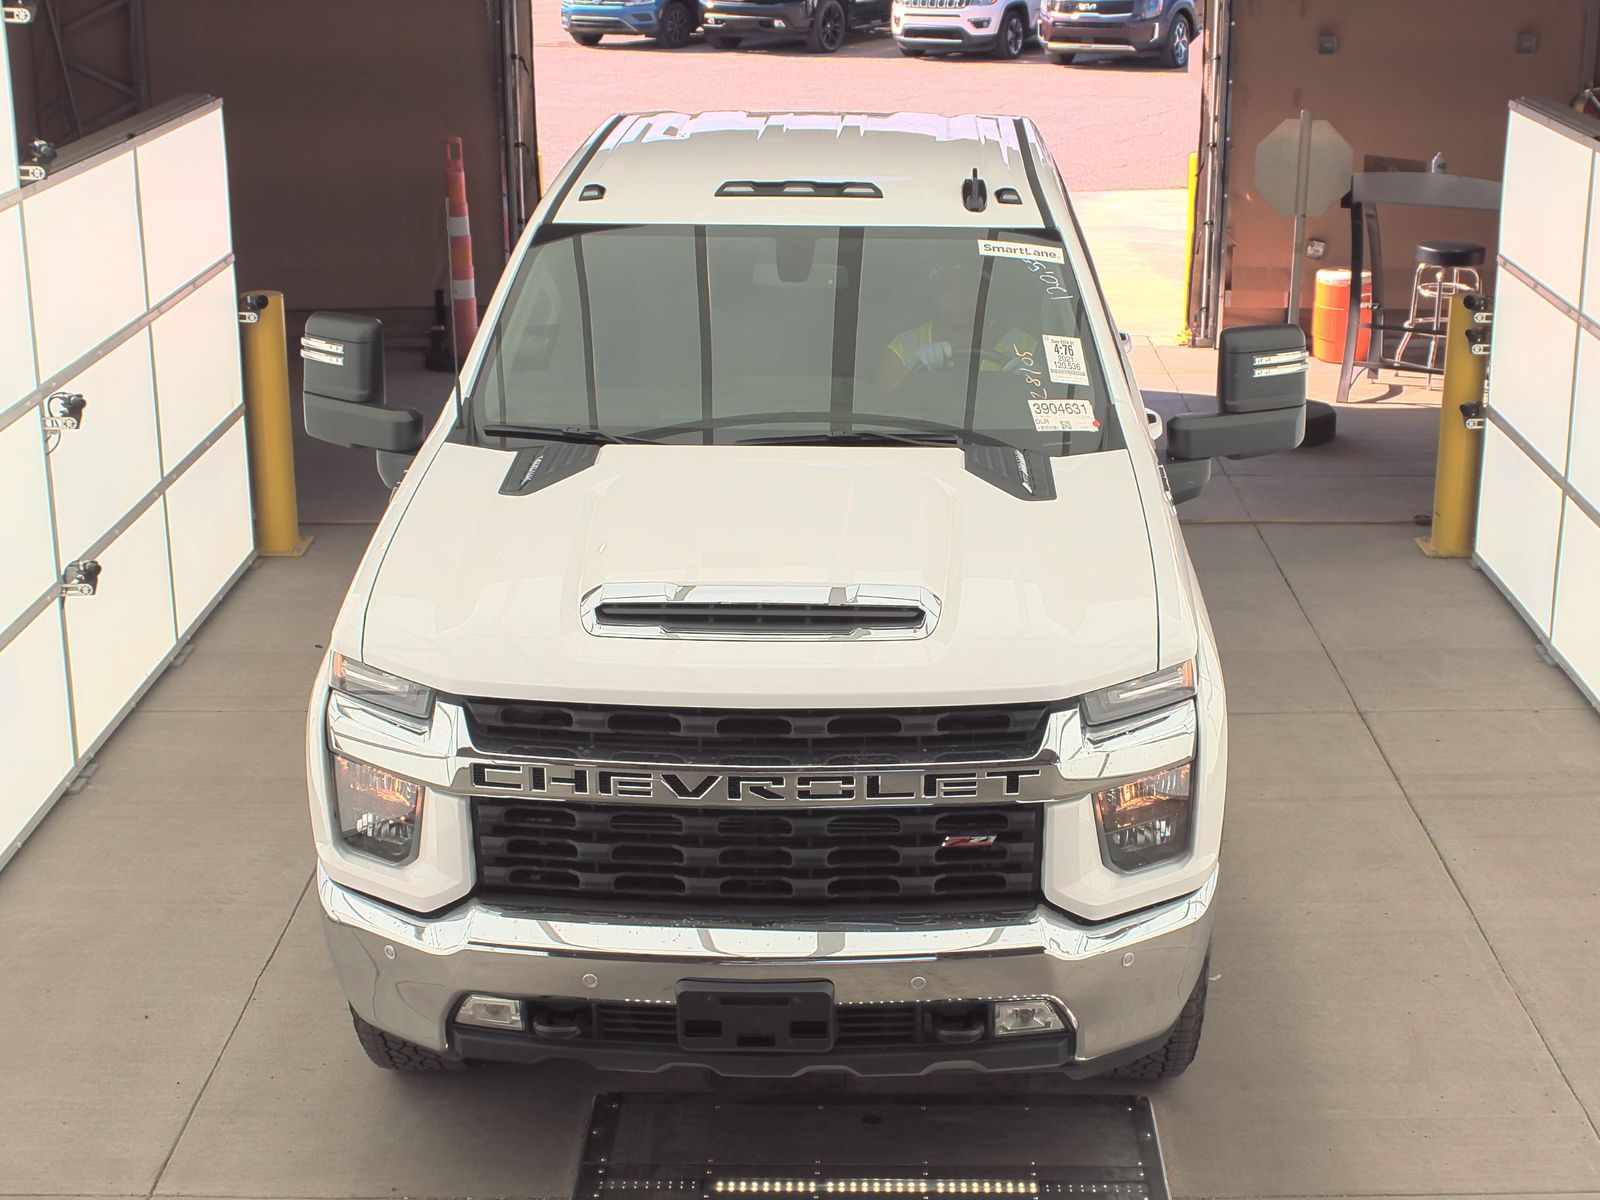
point(1160, 28)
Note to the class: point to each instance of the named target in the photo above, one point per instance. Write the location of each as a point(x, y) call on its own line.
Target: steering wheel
point(926, 426)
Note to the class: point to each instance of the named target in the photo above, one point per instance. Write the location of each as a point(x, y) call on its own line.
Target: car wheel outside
point(1063, 58)
point(722, 41)
point(912, 51)
point(677, 23)
point(1013, 36)
point(1178, 1051)
point(1175, 54)
point(587, 39)
point(827, 28)
point(396, 1054)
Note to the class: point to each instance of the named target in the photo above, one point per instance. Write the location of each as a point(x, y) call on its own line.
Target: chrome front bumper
point(1121, 983)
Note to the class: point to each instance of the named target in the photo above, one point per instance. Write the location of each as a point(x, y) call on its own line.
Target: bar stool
point(1445, 267)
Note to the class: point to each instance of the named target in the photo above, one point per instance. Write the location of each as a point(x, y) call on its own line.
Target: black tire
point(1177, 1052)
point(396, 1054)
point(1013, 35)
point(912, 51)
point(675, 25)
point(1175, 50)
point(723, 41)
point(1063, 58)
point(1322, 422)
point(586, 39)
point(828, 27)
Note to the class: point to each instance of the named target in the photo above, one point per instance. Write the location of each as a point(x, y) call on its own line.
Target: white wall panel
point(103, 469)
point(197, 366)
point(86, 272)
point(17, 378)
point(1591, 272)
point(208, 514)
point(1584, 468)
point(1531, 366)
point(116, 637)
point(1545, 205)
point(35, 730)
point(1519, 518)
point(8, 124)
point(183, 188)
point(27, 557)
point(1576, 634)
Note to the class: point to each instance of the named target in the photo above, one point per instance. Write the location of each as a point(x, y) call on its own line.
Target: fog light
point(1015, 1017)
point(980, 22)
point(490, 1012)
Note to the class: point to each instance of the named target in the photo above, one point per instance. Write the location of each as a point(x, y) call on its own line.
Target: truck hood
point(479, 593)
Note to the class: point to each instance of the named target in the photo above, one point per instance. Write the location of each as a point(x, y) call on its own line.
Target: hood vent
point(759, 613)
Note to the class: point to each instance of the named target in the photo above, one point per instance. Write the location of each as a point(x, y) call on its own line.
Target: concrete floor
point(1406, 960)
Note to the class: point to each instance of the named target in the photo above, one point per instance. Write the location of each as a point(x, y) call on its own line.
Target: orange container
point(1331, 311)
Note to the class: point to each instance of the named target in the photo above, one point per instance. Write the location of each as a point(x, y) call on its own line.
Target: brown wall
point(336, 115)
point(1408, 80)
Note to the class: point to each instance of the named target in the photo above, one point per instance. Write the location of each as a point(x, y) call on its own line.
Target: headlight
point(1155, 690)
point(377, 687)
point(1147, 820)
point(379, 813)
point(1149, 8)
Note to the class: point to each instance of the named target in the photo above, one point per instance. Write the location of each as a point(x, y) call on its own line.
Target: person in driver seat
point(946, 340)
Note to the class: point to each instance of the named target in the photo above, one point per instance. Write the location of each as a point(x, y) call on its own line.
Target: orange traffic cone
point(463, 287)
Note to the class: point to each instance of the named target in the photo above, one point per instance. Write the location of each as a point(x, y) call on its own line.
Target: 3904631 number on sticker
point(1063, 416)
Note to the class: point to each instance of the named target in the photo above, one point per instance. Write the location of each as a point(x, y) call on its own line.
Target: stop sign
point(1278, 167)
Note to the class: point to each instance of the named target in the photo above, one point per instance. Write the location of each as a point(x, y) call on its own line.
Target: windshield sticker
point(1063, 416)
point(1020, 250)
point(1064, 357)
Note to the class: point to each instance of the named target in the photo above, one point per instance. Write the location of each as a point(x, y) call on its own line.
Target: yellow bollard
point(1460, 460)
point(1188, 246)
point(268, 426)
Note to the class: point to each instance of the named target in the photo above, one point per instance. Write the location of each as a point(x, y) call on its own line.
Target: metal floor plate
point(674, 1147)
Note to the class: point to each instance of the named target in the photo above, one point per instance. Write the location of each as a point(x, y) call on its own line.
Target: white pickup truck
point(784, 656)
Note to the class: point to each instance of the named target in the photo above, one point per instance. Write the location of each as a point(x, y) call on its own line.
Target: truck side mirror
point(343, 391)
point(1261, 397)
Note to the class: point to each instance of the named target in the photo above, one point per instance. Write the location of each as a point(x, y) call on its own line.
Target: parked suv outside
point(1163, 28)
point(824, 24)
point(811, 677)
point(1001, 27)
point(670, 22)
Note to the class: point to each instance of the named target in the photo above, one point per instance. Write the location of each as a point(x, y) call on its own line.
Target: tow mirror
point(1261, 397)
point(343, 392)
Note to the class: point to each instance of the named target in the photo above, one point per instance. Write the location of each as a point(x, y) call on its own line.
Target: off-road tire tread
point(1178, 1051)
point(396, 1054)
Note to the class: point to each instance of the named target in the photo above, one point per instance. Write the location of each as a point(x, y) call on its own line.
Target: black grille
point(715, 860)
point(856, 1026)
point(760, 618)
point(757, 737)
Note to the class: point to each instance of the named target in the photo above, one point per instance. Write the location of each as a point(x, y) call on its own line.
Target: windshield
point(740, 334)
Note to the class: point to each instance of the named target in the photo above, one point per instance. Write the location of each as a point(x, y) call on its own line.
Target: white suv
point(784, 657)
point(1002, 28)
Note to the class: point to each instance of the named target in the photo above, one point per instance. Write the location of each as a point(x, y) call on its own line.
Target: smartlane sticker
point(1064, 358)
point(1063, 416)
point(1022, 250)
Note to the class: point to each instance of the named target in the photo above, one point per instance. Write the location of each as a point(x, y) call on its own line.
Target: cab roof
point(805, 168)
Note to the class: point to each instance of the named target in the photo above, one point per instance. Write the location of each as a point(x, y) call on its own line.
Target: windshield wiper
point(562, 433)
point(875, 437)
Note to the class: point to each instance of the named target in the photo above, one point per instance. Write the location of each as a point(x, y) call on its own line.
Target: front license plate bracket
point(756, 1017)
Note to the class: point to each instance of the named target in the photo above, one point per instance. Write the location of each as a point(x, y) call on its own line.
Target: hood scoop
point(759, 613)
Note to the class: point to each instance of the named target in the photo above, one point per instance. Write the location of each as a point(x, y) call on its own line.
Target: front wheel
point(912, 51)
point(586, 39)
point(722, 41)
point(396, 1054)
point(1177, 1052)
point(1175, 54)
point(1013, 36)
point(677, 23)
point(827, 28)
point(1063, 58)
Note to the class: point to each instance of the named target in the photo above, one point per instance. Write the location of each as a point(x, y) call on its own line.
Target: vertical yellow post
point(1460, 460)
point(268, 426)
point(1188, 245)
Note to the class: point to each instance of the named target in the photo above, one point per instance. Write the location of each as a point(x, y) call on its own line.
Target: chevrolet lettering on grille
point(753, 786)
